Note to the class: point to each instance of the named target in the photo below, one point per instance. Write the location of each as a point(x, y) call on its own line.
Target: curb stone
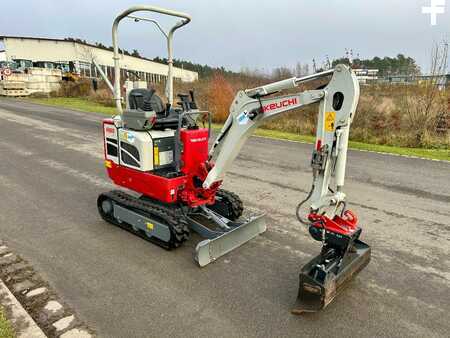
point(22, 322)
point(48, 315)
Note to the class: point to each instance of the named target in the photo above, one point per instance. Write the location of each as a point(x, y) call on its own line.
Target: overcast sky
point(247, 33)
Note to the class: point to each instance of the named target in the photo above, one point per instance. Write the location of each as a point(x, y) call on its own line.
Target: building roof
point(68, 40)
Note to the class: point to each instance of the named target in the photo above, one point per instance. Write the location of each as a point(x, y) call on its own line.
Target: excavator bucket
point(209, 250)
point(322, 278)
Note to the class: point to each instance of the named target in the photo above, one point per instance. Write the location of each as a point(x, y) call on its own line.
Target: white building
point(366, 75)
point(82, 54)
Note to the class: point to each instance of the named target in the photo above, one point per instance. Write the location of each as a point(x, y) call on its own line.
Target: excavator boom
point(253, 107)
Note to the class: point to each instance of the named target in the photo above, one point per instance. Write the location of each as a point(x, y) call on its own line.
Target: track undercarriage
point(169, 225)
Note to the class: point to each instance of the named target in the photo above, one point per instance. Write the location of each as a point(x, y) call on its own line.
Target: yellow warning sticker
point(155, 155)
point(150, 226)
point(330, 118)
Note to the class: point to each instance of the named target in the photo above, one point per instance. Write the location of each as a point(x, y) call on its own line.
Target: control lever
point(184, 103)
point(193, 104)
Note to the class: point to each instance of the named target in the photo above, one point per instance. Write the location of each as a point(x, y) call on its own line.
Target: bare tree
point(86, 53)
point(281, 73)
point(423, 103)
point(301, 70)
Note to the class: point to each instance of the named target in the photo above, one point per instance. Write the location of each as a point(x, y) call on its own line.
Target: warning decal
point(155, 155)
point(330, 118)
point(243, 118)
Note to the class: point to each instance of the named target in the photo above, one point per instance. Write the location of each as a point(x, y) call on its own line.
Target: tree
point(424, 103)
point(301, 70)
point(400, 65)
point(100, 45)
point(281, 73)
point(220, 95)
point(135, 53)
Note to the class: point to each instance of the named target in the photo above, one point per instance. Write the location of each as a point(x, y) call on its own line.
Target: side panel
point(110, 139)
point(151, 227)
point(157, 187)
point(163, 152)
point(136, 149)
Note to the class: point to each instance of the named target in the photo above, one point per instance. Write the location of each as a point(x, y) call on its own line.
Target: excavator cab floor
point(317, 289)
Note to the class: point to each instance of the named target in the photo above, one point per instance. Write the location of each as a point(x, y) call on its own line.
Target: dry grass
point(383, 116)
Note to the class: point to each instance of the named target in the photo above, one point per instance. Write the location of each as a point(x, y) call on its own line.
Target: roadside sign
point(7, 72)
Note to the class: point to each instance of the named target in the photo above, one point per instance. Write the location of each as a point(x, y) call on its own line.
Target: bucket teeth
point(319, 286)
point(209, 250)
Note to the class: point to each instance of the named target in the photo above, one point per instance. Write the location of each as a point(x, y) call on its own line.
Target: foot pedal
point(321, 280)
point(209, 250)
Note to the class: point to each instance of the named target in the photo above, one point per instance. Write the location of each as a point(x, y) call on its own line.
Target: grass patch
point(83, 104)
point(6, 330)
point(436, 154)
point(75, 103)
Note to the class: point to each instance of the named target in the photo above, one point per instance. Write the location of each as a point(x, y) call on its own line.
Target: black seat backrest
point(147, 100)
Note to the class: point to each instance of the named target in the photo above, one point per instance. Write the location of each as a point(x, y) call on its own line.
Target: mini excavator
point(160, 154)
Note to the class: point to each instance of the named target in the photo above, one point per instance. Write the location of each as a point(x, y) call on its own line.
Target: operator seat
point(148, 100)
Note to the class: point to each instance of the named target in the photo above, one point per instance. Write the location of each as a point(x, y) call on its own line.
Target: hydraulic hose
point(297, 210)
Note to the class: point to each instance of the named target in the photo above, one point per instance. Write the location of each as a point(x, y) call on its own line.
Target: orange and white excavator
point(161, 152)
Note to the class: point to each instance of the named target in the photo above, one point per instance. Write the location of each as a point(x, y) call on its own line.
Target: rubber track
point(233, 201)
point(173, 217)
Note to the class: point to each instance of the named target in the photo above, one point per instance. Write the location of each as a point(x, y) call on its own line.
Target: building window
point(85, 69)
point(110, 72)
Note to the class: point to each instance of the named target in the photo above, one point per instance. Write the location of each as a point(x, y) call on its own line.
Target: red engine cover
point(160, 188)
point(195, 150)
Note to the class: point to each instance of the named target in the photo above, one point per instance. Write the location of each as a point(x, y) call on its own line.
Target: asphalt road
point(51, 172)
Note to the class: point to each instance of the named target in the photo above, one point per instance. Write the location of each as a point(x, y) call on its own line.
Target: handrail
point(186, 18)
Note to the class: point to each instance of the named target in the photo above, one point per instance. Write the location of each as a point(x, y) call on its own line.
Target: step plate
point(209, 250)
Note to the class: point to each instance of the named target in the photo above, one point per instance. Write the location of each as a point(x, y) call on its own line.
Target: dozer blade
point(209, 250)
point(318, 289)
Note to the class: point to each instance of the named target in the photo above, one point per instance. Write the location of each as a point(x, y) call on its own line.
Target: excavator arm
point(337, 105)
point(343, 255)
